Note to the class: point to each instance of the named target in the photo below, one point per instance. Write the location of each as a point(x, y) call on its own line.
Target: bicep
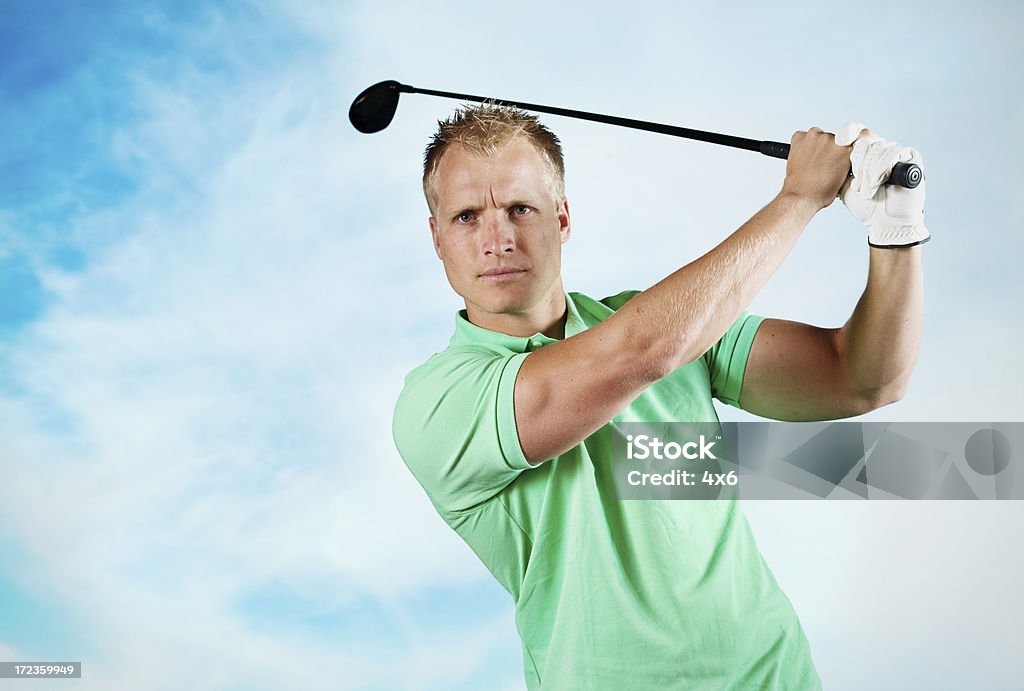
point(794, 372)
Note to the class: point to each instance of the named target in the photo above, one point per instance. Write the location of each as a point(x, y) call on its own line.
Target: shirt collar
point(466, 332)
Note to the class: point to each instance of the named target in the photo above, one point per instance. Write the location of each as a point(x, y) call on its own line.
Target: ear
point(433, 235)
point(563, 220)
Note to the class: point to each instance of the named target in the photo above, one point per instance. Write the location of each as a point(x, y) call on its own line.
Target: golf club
point(375, 107)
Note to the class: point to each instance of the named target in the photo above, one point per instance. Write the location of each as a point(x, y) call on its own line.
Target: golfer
point(502, 428)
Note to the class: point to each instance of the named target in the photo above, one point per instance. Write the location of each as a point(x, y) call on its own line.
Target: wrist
point(801, 204)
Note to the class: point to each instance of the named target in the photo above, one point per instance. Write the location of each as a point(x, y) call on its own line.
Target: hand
point(816, 167)
point(894, 215)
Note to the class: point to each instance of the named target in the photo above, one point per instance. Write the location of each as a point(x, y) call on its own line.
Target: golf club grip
point(907, 175)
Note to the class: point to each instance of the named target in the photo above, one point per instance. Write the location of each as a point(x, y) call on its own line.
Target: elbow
point(658, 360)
point(648, 355)
point(879, 397)
point(882, 384)
point(896, 392)
point(650, 364)
point(653, 354)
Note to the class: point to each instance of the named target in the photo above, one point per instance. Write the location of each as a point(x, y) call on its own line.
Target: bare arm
point(567, 390)
point(799, 372)
point(879, 344)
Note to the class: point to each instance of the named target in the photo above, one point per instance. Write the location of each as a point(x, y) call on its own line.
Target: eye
point(464, 217)
point(520, 209)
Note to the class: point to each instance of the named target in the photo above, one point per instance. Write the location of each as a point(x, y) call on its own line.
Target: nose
point(498, 236)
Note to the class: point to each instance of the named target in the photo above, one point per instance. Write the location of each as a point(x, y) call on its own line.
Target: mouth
point(502, 274)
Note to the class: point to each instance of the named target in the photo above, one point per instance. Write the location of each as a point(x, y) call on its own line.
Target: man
point(504, 428)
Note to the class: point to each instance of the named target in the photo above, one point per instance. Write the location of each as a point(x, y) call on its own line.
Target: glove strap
point(896, 237)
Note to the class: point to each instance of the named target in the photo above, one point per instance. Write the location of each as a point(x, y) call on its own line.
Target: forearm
point(878, 346)
point(681, 317)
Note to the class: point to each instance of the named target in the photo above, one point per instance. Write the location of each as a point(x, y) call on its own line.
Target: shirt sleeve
point(615, 302)
point(455, 427)
point(727, 359)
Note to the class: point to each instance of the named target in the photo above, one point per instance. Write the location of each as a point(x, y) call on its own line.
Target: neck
point(547, 317)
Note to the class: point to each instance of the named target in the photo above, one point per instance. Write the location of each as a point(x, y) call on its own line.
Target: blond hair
point(485, 129)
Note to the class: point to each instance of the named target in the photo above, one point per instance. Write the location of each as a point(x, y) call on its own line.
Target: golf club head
point(375, 107)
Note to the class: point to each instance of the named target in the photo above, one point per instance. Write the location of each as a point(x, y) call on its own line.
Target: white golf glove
point(894, 215)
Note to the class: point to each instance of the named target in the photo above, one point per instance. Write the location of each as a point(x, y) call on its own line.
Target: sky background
point(211, 288)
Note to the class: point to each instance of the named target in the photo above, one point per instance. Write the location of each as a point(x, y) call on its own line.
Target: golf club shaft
point(700, 135)
point(903, 174)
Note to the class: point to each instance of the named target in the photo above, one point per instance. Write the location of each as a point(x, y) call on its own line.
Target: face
point(499, 231)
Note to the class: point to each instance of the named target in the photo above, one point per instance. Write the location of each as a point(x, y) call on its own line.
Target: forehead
point(517, 171)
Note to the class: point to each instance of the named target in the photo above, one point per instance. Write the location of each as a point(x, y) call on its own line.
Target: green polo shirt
point(610, 595)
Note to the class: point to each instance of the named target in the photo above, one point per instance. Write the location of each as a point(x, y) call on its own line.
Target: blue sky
point(211, 288)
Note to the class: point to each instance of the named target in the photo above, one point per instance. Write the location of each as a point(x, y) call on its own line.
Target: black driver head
point(375, 107)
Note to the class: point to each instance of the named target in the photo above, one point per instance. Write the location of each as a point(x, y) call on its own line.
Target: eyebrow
point(476, 207)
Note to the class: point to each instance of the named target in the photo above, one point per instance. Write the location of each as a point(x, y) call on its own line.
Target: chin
point(496, 302)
